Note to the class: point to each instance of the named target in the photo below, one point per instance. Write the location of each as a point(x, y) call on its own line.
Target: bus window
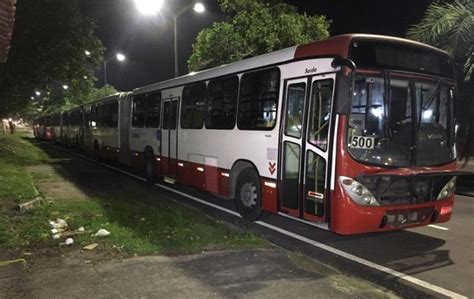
point(139, 107)
point(113, 115)
point(222, 103)
point(258, 100)
point(294, 111)
point(320, 113)
point(192, 110)
point(152, 115)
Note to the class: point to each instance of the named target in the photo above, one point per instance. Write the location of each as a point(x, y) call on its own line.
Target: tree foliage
point(48, 51)
point(254, 27)
point(449, 26)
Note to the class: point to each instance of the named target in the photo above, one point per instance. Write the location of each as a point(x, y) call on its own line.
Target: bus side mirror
point(339, 61)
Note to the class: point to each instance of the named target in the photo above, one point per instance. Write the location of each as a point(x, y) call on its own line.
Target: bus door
point(169, 137)
point(304, 148)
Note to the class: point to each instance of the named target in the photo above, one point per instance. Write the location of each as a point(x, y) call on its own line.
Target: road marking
point(438, 227)
point(124, 172)
point(319, 245)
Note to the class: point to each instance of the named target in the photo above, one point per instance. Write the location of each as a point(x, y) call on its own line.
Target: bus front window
point(399, 122)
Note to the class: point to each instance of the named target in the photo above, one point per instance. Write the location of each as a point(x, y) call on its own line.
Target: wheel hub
point(248, 195)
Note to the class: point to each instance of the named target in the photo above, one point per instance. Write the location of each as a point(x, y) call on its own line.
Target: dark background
point(147, 41)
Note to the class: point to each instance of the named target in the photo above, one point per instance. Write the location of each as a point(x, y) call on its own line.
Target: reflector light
point(446, 210)
point(270, 184)
point(200, 169)
point(225, 174)
point(180, 164)
point(158, 159)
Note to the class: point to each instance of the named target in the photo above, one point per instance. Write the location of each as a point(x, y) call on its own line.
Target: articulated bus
point(351, 134)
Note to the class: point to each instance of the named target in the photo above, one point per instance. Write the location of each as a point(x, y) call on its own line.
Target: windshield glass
point(401, 122)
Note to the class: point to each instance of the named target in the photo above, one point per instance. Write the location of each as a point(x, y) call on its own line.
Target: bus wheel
point(248, 195)
point(150, 167)
point(98, 158)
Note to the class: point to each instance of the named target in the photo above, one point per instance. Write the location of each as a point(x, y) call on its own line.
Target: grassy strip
point(15, 154)
point(140, 220)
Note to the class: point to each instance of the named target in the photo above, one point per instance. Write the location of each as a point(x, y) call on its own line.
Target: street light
point(152, 7)
point(148, 7)
point(65, 87)
point(119, 56)
point(37, 93)
point(88, 53)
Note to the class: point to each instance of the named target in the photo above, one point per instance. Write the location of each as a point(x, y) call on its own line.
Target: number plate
point(362, 142)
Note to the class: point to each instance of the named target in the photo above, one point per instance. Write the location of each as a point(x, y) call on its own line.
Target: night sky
point(147, 41)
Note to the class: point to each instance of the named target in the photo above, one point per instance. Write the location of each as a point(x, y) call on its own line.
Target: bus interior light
point(358, 192)
point(448, 189)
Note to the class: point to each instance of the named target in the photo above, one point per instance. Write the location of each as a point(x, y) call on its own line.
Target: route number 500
point(362, 142)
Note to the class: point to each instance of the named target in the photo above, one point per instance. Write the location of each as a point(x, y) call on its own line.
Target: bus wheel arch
point(246, 190)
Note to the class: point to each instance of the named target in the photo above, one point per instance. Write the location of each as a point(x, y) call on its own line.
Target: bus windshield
point(401, 122)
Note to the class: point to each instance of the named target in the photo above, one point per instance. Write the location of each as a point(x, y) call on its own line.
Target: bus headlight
point(448, 189)
point(358, 192)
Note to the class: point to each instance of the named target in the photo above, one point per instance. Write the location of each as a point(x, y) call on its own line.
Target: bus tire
point(98, 158)
point(248, 195)
point(150, 174)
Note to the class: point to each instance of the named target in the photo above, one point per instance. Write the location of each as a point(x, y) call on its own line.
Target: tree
point(254, 27)
point(449, 26)
point(48, 51)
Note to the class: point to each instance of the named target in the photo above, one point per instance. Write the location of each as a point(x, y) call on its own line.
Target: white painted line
point(332, 250)
point(199, 200)
point(438, 227)
point(319, 245)
point(74, 154)
point(364, 262)
point(124, 172)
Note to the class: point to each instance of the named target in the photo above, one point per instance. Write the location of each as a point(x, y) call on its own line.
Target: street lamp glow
point(88, 53)
point(85, 77)
point(65, 87)
point(120, 57)
point(199, 7)
point(32, 98)
point(149, 7)
point(37, 93)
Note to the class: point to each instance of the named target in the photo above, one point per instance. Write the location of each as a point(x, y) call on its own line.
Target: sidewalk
point(266, 273)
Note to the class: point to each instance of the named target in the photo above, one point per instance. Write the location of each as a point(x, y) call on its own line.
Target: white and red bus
point(351, 134)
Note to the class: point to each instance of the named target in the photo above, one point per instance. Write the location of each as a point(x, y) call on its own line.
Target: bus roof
point(330, 47)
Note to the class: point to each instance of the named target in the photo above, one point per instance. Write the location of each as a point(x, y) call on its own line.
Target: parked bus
point(351, 134)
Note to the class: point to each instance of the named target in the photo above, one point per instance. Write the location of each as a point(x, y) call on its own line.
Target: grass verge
point(140, 219)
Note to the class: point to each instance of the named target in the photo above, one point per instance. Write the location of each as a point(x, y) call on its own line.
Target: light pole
point(119, 56)
point(151, 7)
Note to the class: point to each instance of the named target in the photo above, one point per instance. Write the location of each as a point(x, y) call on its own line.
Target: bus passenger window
point(258, 100)
point(152, 119)
point(138, 111)
point(193, 106)
point(321, 100)
point(113, 108)
point(222, 103)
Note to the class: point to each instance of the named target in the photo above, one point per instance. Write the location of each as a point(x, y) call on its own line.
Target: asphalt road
point(441, 255)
